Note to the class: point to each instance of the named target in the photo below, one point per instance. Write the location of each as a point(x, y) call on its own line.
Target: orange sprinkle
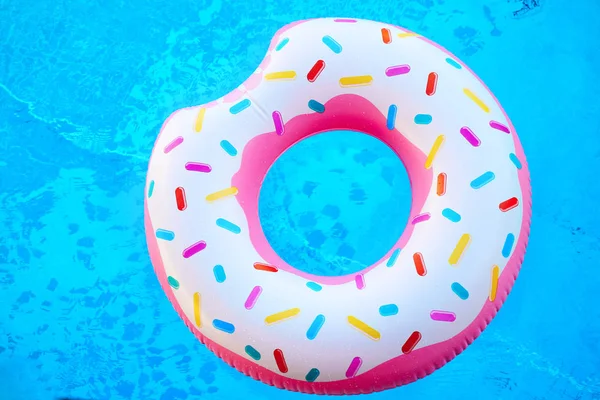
point(386, 35)
point(265, 267)
point(419, 264)
point(441, 184)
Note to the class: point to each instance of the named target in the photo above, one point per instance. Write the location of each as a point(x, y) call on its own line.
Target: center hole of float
point(335, 203)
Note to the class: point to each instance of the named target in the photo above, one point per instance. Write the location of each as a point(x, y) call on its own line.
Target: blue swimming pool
point(84, 88)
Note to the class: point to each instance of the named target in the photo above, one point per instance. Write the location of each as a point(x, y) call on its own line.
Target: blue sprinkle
point(230, 226)
point(513, 158)
point(219, 273)
point(165, 234)
point(460, 291)
point(482, 180)
point(174, 283)
point(223, 326)
point(423, 119)
point(391, 117)
point(239, 107)
point(312, 375)
point(314, 286)
point(316, 106)
point(508, 245)
point(451, 214)
point(453, 63)
point(388, 310)
point(252, 352)
point(393, 258)
point(315, 327)
point(228, 147)
point(150, 189)
point(282, 44)
point(332, 44)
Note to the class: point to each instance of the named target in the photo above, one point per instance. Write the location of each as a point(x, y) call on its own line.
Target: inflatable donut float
point(416, 308)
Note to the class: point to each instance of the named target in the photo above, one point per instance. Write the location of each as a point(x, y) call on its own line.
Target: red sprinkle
point(265, 267)
point(420, 264)
point(411, 342)
point(280, 360)
point(315, 71)
point(431, 84)
point(509, 204)
point(180, 199)
point(386, 35)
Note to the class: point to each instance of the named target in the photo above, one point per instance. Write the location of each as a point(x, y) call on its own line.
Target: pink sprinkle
point(176, 142)
point(252, 297)
point(194, 249)
point(470, 136)
point(421, 218)
point(445, 316)
point(353, 368)
point(360, 281)
point(278, 121)
point(397, 70)
point(351, 21)
point(499, 126)
point(198, 167)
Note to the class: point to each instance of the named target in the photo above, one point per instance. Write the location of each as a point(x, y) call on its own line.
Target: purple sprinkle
point(421, 218)
point(176, 142)
point(470, 136)
point(194, 249)
point(501, 127)
point(252, 297)
point(444, 316)
point(397, 70)
point(360, 281)
point(344, 20)
point(278, 122)
point(354, 367)
point(198, 167)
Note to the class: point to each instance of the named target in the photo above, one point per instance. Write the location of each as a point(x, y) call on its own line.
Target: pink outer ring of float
point(400, 370)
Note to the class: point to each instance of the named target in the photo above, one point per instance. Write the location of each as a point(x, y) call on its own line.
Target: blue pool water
point(84, 88)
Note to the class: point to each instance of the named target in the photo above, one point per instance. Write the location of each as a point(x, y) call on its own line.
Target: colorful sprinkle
point(508, 245)
point(459, 249)
point(278, 122)
point(393, 258)
point(194, 249)
point(370, 332)
point(312, 375)
point(421, 218)
point(315, 71)
point(332, 44)
point(360, 281)
point(227, 225)
point(407, 34)
point(361, 80)
point(451, 215)
point(282, 44)
point(396, 70)
point(501, 127)
point(314, 286)
point(176, 142)
point(470, 136)
point(280, 361)
point(432, 79)
point(482, 180)
point(434, 150)
point(494, 283)
point(197, 319)
point(228, 147)
point(411, 342)
point(180, 199)
point(509, 204)
point(353, 367)
point(174, 283)
point(316, 106)
point(391, 117)
point(476, 100)
point(444, 316)
point(198, 167)
point(419, 264)
point(388, 310)
point(441, 184)
point(219, 273)
point(265, 267)
point(280, 76)
point(223, 326)
point(423, 119)
point(200, 119)
point(513, 157)
point(252, 352)
point(283, 315)
point(315, 327)
point(230, 191)
point(453, 63)
point(386, 35)
point(253, 297)
point(165, 234)
point(150, 189)
point(240, 106)
point(460, 291)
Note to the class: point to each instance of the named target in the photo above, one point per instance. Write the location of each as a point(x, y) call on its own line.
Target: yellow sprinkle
point(494, 287)
point(230, 191)
point(407, 34)
point(459, 249)
point(434, 149)
point(361, 80)
point(476, 100)
point(274, 76)
point(364, 328)
point(280, 316)
point(200, 119)
point(197, 309)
